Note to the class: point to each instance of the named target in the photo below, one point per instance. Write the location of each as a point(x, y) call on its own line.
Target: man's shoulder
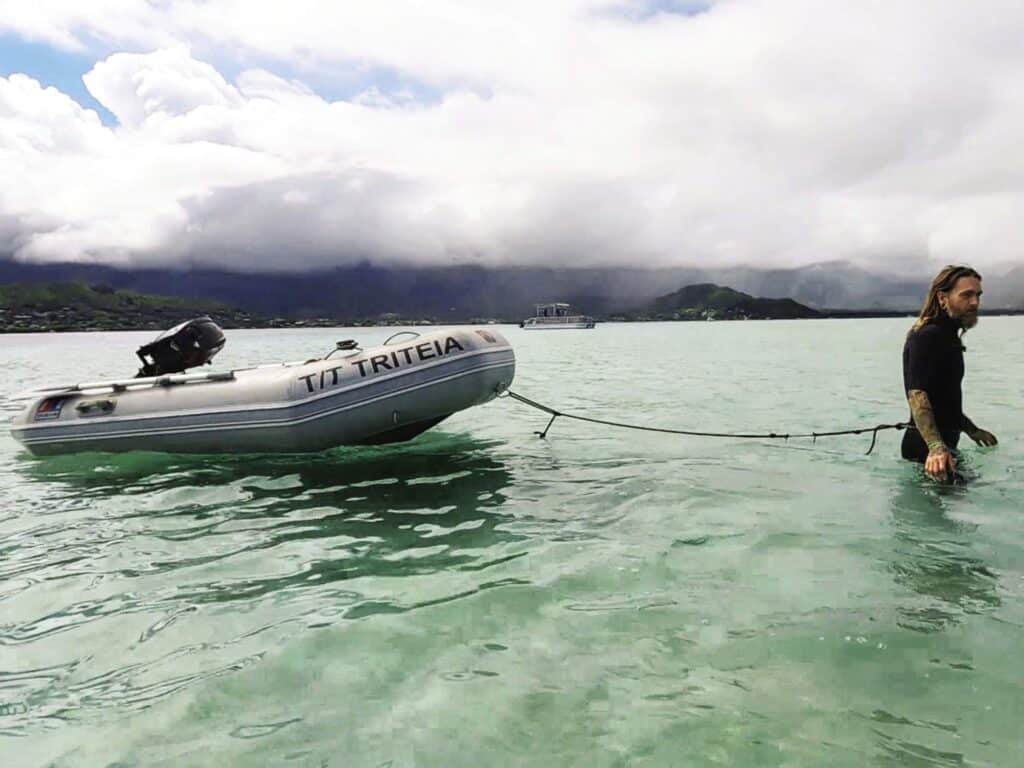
point(928, 331)
point(926, 336)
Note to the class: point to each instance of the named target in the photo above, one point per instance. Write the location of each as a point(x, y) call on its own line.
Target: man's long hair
point(943, 283)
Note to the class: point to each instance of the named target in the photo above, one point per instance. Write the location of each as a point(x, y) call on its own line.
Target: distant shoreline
point(77, 307)
point(26, 325)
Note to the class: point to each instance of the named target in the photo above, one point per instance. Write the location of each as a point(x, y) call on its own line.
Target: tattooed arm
point(940, 459)
point(924, 419)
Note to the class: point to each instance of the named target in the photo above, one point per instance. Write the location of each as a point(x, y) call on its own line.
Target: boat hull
point(556, 326)
point(384, 394)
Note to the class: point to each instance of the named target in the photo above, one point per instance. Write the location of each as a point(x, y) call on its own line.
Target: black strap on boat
point(693, 433)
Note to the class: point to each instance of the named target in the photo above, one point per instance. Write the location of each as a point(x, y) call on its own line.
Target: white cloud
point(137, 88)
point(579, 132)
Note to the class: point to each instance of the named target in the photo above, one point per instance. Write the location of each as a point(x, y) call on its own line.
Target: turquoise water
point(480, 597)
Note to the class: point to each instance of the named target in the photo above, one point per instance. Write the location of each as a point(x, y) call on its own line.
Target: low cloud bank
point(571, 134)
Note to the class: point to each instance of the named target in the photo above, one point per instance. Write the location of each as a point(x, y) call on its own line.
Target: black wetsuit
point(933, 361)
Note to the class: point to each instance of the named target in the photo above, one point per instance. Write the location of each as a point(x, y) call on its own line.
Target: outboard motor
point(192, 343)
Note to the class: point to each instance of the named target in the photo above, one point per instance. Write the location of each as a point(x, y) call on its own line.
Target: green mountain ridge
point(717, 302)
point(81, 295)
point(79, 306)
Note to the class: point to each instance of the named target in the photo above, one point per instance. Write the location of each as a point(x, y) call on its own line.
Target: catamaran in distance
point(556, 315)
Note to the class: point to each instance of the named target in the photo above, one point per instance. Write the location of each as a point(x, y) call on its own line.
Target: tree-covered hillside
point(716, 302)
point(80, 306)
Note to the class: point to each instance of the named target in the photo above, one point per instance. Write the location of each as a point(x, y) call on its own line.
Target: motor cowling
point(184, 346)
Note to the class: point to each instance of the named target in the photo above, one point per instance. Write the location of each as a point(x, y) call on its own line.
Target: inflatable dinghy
point(353, 396)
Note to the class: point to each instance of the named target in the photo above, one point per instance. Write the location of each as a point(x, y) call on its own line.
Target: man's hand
point(983, 437)
point(940, 463)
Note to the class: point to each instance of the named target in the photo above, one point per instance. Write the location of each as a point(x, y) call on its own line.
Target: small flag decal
point(49, 408)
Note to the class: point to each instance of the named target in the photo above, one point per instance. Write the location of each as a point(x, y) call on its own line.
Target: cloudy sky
point(279, 136)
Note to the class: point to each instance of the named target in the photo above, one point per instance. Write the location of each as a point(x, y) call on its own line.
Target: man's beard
point(968, 320)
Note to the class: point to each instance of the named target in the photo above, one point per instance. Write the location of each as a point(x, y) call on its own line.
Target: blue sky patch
point(332, 82)
point(343, 82)
point(641, 10)
point(51, 66)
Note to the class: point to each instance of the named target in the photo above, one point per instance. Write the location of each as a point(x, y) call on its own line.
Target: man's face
point(963, 301)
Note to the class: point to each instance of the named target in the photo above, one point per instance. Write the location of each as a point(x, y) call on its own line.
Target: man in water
point(933, 367)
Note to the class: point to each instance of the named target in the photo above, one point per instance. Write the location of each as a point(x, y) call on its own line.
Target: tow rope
point(693, 433)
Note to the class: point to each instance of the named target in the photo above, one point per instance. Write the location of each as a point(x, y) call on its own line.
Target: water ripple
point(499, 599)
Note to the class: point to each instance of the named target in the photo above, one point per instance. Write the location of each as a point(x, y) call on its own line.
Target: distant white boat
point(554, 316)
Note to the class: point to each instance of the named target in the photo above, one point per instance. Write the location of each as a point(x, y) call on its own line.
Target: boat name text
point(388, 361)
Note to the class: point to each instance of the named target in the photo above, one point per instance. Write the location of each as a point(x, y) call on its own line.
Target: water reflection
point(287, 541)
point(934, 556)
point(898, 753)
point(369, 510)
